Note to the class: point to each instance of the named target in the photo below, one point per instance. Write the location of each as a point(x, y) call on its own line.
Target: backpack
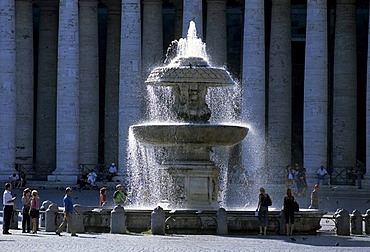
point(266, 201)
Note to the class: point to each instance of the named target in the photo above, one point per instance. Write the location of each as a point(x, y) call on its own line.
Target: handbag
point(296, 206)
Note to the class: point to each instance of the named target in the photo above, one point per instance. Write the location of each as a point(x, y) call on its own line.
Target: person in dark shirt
point(289, 212)
point(264, 201)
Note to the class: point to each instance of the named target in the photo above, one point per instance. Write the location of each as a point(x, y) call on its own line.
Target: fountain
point(175, 162)
point(189, 179)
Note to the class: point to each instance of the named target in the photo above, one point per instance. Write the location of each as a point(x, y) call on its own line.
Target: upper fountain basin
point(196, 134)
point(189, 70)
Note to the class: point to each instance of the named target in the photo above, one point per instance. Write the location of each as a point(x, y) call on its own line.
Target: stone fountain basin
point(197, 134)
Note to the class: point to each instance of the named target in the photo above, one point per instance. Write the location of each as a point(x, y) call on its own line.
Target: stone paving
point(46, 241)
point(325, 240)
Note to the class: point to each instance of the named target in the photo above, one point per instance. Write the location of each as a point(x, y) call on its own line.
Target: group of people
point(295, 176)
point(30, 209)
point(119, 198)
point(89, 177)
point(18, 180)
point(290, 206)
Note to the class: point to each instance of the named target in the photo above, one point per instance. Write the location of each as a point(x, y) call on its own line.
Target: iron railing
point(342, 175)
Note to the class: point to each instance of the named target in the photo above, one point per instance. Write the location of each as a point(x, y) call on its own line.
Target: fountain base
point(190, 185)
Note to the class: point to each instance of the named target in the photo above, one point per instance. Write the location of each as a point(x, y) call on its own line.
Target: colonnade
point(65, 105)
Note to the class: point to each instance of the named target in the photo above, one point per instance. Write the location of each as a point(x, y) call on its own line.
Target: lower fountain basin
point(170, 134)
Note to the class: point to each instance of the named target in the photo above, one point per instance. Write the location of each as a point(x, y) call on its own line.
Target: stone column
point(152, 35)
point(280, 88)
point(46, 87)
point(253, 84)
point(216, 32)
point(192, 11)
point(315, 88)
point(67, 131)
point(131, 84)
point(345, 85)
point(24, 82)
point(89, 82)
point(7, 87)
point(112, 82)
point(368, 106)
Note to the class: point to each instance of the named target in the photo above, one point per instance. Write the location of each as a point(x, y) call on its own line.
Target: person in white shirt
point(8, 202)
point(16, 182)
point(112, 171)
point(91, 178)
point(322, 175)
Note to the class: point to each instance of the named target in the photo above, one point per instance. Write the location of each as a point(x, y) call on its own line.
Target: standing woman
point(264, 201)
point(289, 212)
point(35, 212)
point(26, 220)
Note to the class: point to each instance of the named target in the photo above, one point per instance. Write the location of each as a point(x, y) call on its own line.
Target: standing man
point(358, 173)
point(8, 202)
point(315, 198)
point(119, 197)
point(68, 214)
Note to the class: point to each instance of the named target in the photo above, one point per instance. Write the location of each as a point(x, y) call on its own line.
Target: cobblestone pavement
point(46, 241)
point(326, 240)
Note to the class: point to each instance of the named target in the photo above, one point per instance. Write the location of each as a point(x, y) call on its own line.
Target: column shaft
point(345, 85)
point(24, 82)
point(7, 87)
point(131, 84)
point(152, 35)
point(315, 88)
point(368, 104)
point(112, 82)
point(67, 92)
point(280, 88)
point(89, 82)
point(253, 84)
point(46, 87)
point(216, 32)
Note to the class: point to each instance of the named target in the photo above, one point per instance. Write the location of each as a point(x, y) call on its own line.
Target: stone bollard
point(356, 222)
point(78, 219)
point(44, 206)
point(14, 220)
point(222, 222)
point(118, 220)
point(342, 222)
point(158, 221)
point(52, 218)
point(367, 222)
point(282, 222)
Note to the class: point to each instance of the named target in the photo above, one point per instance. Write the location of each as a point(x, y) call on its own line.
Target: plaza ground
point(325, 240)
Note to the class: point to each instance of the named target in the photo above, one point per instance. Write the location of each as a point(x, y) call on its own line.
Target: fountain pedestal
point(190, 186)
